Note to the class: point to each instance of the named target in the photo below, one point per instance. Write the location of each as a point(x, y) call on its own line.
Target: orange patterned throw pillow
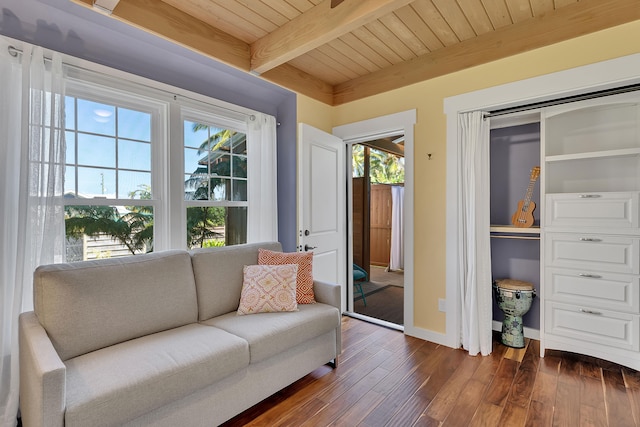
point(304, 288)
point(268, 289)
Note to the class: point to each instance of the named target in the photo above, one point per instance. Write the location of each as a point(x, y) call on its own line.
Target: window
point(133, 184)
point(108, 192)
point(215, 184)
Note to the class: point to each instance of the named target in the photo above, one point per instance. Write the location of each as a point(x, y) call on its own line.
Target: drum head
point(514, 285)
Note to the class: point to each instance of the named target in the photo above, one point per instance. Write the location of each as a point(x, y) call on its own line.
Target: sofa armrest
point(42, 376)
point(331, 294)
point(328, 293)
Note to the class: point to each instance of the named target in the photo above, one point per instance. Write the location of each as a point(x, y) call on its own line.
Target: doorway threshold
point(375, 321)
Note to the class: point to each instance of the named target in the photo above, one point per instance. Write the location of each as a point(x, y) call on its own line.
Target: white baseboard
point(427, 335)
point(530, 333)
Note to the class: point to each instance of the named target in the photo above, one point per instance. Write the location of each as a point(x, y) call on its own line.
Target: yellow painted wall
point(430, 137)
point(315, 113)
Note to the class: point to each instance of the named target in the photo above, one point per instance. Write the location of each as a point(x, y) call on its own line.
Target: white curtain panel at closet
point(32, 167)
point(474, 258)
point(262, 170)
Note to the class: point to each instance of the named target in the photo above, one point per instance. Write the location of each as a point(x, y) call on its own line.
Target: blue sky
point(109, 149)
point(106, 137)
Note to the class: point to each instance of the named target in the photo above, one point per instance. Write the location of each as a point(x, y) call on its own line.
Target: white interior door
point(322, 203)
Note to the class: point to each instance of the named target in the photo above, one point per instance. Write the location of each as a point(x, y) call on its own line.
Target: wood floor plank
point(404, 387)
point(489, 364)
point(567, 406)
point(632, 382)
point(501, 384)
point(522, 386)
point(359, 410)
point(513, 416)
point(592, 417)
point(616, 400)
point(388, 379)
point(487, 415)
point(539, 414)
point(466, 405)
point(340, 404)
point(449, 394)
point(544, 389)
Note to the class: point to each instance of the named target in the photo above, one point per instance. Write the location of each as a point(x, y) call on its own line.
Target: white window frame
point(206, 114)
point(170, 107)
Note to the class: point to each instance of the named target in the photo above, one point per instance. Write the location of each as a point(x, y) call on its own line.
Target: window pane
point(239, 190)
point(239, 143)
point(134, 124)
point(134, 155)
point(107, 231)
point(216, 226)
point(220, 164)
point(69, 181)
point(96, 182)
point(134, 185)
point(195, 135)
point(196, 187)
point(96, 150)
point(239, 166)
point(220, 189)
point(69, 112)
point(70, 142)
point(96, 118)
point(194, 162)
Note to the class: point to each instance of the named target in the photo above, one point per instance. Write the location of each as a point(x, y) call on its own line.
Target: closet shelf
point(511, 232)
point(624, 152)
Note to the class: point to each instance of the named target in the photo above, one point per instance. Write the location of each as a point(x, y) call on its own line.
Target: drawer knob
point(589, 239)
point(588, 196)
point(582, 310)
point(591, 276)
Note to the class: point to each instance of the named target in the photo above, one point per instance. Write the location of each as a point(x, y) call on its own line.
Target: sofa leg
point(334, 362)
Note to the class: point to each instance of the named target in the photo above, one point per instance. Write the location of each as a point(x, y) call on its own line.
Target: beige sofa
point(155, 340)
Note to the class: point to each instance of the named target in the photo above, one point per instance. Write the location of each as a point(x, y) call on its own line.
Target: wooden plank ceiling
point(364, 47)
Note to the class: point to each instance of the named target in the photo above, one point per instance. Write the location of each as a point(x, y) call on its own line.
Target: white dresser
point(590, 236)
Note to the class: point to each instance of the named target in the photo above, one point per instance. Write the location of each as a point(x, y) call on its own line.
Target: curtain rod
point(565, 100)
point(14, 51)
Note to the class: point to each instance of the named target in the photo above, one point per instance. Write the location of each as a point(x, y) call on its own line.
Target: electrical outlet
point(442, 304)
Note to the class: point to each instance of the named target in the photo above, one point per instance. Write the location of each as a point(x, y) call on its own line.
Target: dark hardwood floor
point(388, 379)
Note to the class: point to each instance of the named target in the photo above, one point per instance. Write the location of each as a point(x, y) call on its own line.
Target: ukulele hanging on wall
point(523, 217)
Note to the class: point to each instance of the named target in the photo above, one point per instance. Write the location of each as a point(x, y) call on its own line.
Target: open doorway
point(378, 229)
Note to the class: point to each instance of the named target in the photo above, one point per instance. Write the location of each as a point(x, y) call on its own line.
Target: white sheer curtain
point(32, 165)
point(262, 216)
point(474, 259)
point(397, 228)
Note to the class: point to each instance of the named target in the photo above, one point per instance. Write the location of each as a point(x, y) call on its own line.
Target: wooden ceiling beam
point(314, 28)
point(565, 23)
point(294, 79)
point(163, 20)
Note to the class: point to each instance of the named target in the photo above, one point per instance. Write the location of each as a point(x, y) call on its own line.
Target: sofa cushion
point(304, 287)
point(268, 288)
point(218, 275)
point(271, 333)
point(116, 384)
point(85, 306)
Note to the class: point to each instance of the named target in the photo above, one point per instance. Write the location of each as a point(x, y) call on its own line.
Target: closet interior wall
point(514, 151)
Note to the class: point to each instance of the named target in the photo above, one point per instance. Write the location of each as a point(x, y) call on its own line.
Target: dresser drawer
point(595, 252)
point(602, 210)
point(621, 330)
point(595, 289)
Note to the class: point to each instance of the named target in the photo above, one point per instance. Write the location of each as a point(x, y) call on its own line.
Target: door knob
point(308, 248)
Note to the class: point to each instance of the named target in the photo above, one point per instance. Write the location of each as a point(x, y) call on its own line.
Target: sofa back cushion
point(218, 274)
point(88, 305)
